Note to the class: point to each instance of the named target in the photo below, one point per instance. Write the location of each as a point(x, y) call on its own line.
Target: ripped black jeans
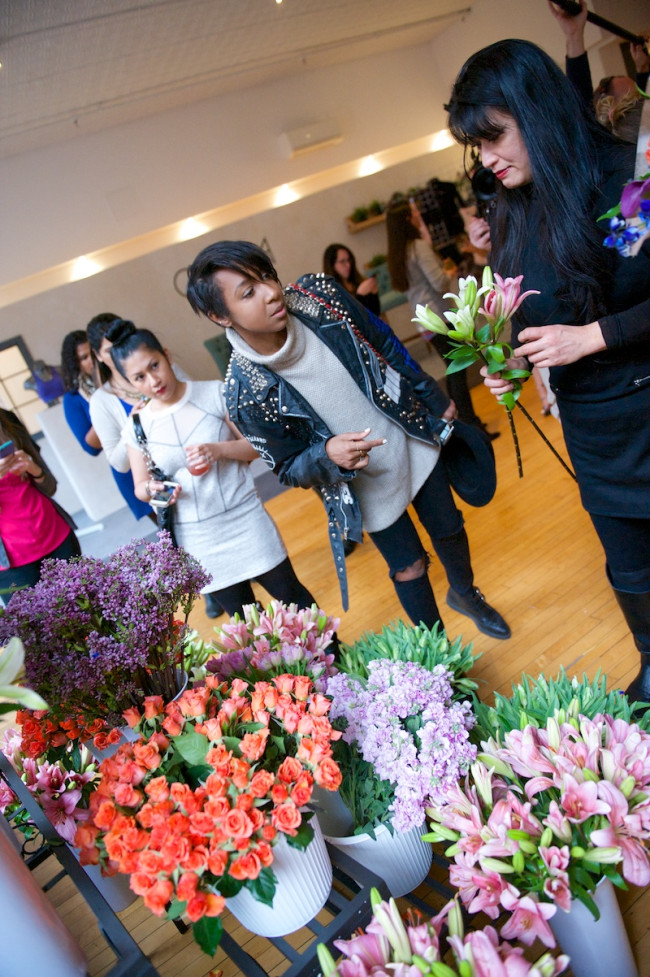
point(401, 547)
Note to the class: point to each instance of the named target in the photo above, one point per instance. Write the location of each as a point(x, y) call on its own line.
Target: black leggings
point(627, 547)
point(281, 583)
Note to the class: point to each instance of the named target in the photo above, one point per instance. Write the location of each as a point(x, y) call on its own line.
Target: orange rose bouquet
point(192, 810)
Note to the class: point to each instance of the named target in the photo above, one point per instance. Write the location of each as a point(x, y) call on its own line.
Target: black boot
point(636, 611)
point(463, 596)
point(212, 606)
point(416, 597)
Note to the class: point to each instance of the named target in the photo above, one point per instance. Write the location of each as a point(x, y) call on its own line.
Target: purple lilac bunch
point(100, 636)
point(411, 947)
point(403, 721)
point(61, 781)
point(540, 820)
point(276, 640)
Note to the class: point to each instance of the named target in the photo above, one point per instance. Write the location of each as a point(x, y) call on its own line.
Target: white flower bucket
point(304, 883)
point(403, 860)
point(33, 938)
point(597, 947)
point(333, 816)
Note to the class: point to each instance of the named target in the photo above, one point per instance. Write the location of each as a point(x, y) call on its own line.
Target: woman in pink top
point(32, 526)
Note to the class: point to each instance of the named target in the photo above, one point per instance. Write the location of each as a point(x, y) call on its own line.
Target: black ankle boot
point(416, 597)
point(636, 611)
point(212, 606)
point(486, 618)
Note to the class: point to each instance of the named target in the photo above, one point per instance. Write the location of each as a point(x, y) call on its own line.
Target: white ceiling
point(72, 66)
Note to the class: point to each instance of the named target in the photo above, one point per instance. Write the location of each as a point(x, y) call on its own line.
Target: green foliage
point(534, 700)
point(375, 208)
point(207, 933)
point(366, 796)
point(411, 643)
point(359, 214)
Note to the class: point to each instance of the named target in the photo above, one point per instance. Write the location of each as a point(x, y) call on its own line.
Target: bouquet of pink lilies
point(475, 324)
point(542, 818)
point(412, 948)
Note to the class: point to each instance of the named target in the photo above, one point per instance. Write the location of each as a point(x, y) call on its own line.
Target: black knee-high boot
point(636, 611)
point(417, 599)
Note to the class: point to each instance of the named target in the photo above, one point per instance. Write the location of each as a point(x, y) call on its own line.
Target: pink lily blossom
point(501, 303)
point(528, 921)
point(580, 801)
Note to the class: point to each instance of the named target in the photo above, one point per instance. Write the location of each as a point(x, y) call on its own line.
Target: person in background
point(558, 171)
point(33, 527)
point(416, 269)
point(616, 101)
point(110, 406)
point(332, 401)
point(340, 263)
point(218, 515)
point(47, 382)
point(77, 369)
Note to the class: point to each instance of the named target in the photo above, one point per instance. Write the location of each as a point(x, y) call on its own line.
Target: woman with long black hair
point(557, 172)
point(77, 369)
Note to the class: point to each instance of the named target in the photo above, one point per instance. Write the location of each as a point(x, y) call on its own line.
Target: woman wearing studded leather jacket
point(331, 400)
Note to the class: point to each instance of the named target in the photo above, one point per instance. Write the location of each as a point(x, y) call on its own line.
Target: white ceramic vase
point(33, 938)
point(402, 860)
point(333, 815)
point(597, 947)
point(304, 880)
point(114, 888)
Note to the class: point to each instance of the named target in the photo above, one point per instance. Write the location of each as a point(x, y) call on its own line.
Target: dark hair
point(96, 330)
point(126, 339)
point(203, 291)
point(329, 257)
point(399, 231)
point(518, 79)
point(70, 369)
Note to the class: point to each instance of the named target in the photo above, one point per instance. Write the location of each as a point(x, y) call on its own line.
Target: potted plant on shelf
point(100, 636)
point(209, 804)
point(405, 737)
point(546, 820)
point(414, 947)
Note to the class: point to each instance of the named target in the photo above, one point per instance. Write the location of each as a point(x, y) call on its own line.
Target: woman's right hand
point(368, 287)
point(18, 463)
point(494, 381)
point(351, 450)
point(478, 233)
point(153, 486)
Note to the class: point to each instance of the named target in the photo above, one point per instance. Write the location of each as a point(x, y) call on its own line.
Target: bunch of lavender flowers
point(276, 640)
point(100, 636)
point(403, 721)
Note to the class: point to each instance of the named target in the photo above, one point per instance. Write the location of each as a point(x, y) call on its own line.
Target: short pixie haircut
point(203, 291)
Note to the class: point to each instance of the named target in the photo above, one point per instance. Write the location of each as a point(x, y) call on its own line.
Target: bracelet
point(37, 478)
point(148, 487)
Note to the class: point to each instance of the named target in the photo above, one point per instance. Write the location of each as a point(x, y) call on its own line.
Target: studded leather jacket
point(291, 437)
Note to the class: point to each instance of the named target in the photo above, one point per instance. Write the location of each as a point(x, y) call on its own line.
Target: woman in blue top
point(78, 378)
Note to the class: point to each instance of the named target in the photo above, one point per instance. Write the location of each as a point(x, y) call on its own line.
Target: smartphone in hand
point(7, 449)
point(161, 499)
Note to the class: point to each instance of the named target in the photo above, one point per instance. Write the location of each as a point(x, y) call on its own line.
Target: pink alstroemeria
point(528, 921)
point(580, 801)
point(501, 303)
point(63, 813)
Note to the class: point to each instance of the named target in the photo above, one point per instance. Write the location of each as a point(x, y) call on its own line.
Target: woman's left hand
point(558, 345)
point(18, 463)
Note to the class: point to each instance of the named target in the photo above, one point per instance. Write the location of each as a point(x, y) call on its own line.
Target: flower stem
point(513, 429)
point(544, 438)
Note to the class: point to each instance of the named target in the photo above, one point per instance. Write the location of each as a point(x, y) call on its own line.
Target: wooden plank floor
point(537, 559)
